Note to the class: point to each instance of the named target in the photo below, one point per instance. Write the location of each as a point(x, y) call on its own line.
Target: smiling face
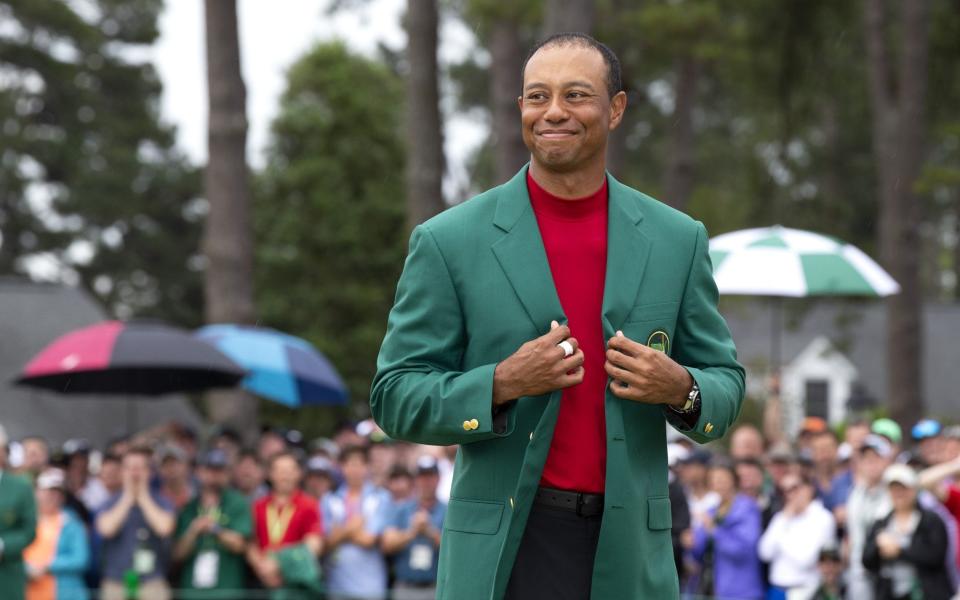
point(566, 111)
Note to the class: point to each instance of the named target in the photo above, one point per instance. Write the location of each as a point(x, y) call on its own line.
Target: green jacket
point(476, 285)
point(18, 526)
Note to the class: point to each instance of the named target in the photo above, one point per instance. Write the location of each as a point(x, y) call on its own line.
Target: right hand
point(419, 521)
point(538, 367)
point(202, 524)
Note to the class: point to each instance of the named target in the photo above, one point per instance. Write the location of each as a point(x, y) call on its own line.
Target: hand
point(686, 538)
point(202, 524)
point(887, 545)
point(538, 367)
point(142, 489)
point(420, 521)
point(355, 524)
point(268, 569)
point(35, 571)
point(706, 521)
point(645, 375)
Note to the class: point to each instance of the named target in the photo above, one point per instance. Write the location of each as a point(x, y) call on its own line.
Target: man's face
point(751, 479)
point(110, 475)
point(136, 467)
point(870, 467)
point(35, 455)
point(823, 449)
point(174, 469)
point(212, 478)
point(355, 470)
point(426, 484)
point(400, 487)
point(746, 442)
point(566, 112)
point(285, 474)
point(247, 474)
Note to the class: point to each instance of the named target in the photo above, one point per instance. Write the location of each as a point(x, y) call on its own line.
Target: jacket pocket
point(666, 311)
point(658, 513)
point(474, 516)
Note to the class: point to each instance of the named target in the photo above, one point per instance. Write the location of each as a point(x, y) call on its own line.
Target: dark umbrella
point(143, 358)
point(281, 367)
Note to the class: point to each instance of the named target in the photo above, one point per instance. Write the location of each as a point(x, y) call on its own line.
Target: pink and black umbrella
point(143, 358)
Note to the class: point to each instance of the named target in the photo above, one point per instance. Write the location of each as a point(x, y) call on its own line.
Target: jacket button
point(466, 426)
point(474, 423)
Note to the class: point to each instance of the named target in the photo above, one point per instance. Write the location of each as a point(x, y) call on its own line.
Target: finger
point(624, 344)
point(572, 362)
point(554, 324)
point(556, 334)
point(573, 342)
point(621, 360)
point(620, 375)
point(573, 378)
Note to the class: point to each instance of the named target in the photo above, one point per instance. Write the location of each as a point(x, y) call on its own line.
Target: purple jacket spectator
point(736, 566)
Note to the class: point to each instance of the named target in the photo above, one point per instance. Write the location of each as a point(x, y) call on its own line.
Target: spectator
point(725, 541)
point(792, 542)
point(830, 565)
point(17, 528)
point(906, 548)
point(928, 441)
point(693, 476)
point(889, 429)
point(400, 485)
point(855, 432)
point(228, 440)
point(811, 427)
point(272, 441)
point(868, 502)
point(320, 479)
point(60, 553)
point(248, 476)
point(383, 455)
point(136, 526)
point(285, 521)
point(111, 476)
point(89, 490)
point(175, 481)
point(412, 536)
point(212, 534)
point(833, 485)
point(355, 514)
point(36, 456)
point(746, 443)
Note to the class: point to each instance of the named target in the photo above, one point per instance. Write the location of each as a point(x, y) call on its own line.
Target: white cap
point(51, 479)
point(902, 474)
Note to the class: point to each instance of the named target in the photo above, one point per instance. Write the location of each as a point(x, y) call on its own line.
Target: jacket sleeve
point(703, 345)
point(73, 551)
point(421, 393)
point(928, 546)
point(740, 538)
point(16, 540)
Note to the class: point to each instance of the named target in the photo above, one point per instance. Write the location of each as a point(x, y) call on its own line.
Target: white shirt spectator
point(792, 544)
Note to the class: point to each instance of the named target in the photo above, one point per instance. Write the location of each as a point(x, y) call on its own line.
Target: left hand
point(887, 546)
point(650, 376)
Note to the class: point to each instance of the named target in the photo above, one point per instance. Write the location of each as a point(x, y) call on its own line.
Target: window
point(815, 398)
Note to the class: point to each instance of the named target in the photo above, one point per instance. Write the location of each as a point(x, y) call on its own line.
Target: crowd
point(161, 515)
point(871, 514)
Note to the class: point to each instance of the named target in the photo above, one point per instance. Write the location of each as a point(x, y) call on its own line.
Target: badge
point(421, 557)
point(144, 561)
point(659, 340)
point(206, 567)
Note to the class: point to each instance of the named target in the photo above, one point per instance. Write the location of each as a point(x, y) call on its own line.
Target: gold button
point(474, 423)
point(467, 426)
point(708, 427)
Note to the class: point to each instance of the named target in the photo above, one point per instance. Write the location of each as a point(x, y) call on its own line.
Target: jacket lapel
point(521, 254)
point(627, 252)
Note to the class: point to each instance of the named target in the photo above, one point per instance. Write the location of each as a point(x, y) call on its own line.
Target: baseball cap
point(902, 474)
point(781, 454)
point(172, 452)
point(427, 464)
point(926, 428)
point(878, 444)
point(50, 479)
point(320, 465)
point(697, 456)
point(813, 425)
point(215, 459)
point(75, 446)
point(887, 428)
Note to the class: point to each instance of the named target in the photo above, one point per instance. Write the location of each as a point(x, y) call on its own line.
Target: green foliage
point(89, 177)
point(329, 216)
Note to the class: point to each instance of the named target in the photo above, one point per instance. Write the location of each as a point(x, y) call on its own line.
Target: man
point(412, 536)
point(176, 484)
point(248, 476)
point(868, 502)
point(549, 326)
point(89, 490)
point(746, 443)
point(136, 526)
point(36, 456)
point(283, 519)
point(110, 476)
point(355, 516)
point(212, 534)
point(321, 477)
point(18, 525)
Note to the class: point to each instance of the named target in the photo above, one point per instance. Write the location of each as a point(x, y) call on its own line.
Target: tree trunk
point(898, 143)
point(678, 177)
point(569, 16)
point(228, 235)
point(424, 128)
point(507, 53)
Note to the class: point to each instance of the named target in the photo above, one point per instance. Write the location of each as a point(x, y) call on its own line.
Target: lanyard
point(277, 522)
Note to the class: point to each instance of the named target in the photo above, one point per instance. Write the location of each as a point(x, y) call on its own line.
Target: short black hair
point(573, 38)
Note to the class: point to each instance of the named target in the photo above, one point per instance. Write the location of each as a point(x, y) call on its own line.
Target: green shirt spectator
point(212, 531)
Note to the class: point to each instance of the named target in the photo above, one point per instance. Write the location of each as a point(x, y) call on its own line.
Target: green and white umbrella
point(777, 261)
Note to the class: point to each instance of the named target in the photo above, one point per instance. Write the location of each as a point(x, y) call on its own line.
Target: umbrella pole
point(776, 325)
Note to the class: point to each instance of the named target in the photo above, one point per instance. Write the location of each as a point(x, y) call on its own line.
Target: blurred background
point(262, 163)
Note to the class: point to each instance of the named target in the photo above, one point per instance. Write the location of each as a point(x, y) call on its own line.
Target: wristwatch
point(693, 399)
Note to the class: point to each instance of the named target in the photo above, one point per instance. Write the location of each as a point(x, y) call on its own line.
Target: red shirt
point(574, 235)
point(952, 502)
point(292, 521)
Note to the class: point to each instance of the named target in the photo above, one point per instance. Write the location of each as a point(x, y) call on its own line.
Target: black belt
point(582, 503)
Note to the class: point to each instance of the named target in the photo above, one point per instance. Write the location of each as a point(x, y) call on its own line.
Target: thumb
point(554, 325)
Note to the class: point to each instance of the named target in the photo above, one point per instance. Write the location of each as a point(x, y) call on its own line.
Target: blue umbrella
point(281, 367)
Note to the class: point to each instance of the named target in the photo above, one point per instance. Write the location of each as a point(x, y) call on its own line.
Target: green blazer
point(18, 526)
point(476, 285)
